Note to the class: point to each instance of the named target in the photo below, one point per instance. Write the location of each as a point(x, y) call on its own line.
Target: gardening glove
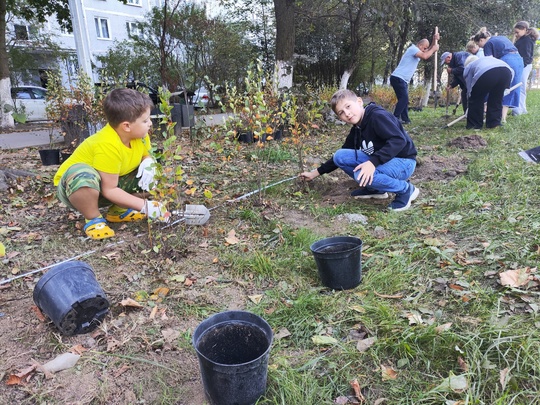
point(147, 171)
point(156, 211)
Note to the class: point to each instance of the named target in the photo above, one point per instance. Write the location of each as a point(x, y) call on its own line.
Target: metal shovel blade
point(196, 214)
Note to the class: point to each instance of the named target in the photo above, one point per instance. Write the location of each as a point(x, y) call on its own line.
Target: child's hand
point(365, 175)
point(309, 175)
point(156, 211)
point(147, 171)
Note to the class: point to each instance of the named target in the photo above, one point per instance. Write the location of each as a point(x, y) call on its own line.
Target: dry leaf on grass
point(282, 333)
point(231, 238)
point(518, 277)
point(365, 344)
point(356, 388)
point(388, 373)
point(504, 377)
point(255, 298)
point(112, 344)
point(153, 312)
point(129, 302)
point(443, 327)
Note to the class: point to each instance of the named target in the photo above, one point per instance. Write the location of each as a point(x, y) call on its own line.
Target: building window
point(21, 32)
point(134, 2)
point(102, 28)
point(133, 29)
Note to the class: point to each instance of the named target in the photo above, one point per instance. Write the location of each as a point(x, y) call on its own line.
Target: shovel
point(191, 215)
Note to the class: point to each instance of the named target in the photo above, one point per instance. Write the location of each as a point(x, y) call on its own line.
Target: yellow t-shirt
point(105, 152)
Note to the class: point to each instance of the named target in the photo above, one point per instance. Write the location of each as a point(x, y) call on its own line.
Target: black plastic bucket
point(339, 261)
point(71, 297)
point(49, 157)
point(233, 349)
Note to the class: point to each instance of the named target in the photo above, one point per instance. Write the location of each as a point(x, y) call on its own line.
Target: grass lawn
point(430, 323)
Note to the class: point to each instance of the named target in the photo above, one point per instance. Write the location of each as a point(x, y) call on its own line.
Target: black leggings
point(491, 84)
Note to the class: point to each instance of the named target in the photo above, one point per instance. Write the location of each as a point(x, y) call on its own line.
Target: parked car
point(31, 100)
point(201, 99)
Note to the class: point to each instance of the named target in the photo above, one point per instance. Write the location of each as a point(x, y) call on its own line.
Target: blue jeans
point(401, 88)
point(390, 176)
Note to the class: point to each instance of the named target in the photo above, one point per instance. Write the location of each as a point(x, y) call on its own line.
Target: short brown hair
point(342, 95)
point(125, 105)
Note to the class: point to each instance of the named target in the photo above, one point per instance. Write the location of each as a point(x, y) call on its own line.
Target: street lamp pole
point(82, 45)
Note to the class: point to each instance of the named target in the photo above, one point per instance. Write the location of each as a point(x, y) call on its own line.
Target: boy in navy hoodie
point(378, 153)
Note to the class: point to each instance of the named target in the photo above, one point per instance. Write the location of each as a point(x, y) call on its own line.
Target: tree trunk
point(285, 38)
point(6, 120)
point(345, 78)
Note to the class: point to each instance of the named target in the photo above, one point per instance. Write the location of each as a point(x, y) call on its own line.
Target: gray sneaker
point(367, 193)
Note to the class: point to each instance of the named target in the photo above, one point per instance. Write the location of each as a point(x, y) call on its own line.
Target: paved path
point(40, 137)
point(17, 140)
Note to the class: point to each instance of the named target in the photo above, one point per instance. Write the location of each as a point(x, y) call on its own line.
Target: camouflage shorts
point(82, 175)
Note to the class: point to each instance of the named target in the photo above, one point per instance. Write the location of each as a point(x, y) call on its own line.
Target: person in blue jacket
point(378, 153)
point(502, 48)
point(402, 75)
point(456, 66)
point(525, 40)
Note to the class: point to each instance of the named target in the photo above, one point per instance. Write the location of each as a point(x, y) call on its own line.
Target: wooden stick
point(436, 62)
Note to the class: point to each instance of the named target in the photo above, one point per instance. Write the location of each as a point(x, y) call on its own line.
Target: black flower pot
point(50, 157)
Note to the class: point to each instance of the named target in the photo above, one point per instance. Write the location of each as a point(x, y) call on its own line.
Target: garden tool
point(192, 215)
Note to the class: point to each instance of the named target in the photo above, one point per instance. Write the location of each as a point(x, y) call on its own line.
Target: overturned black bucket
point(339, 261)
point(71, 297)
point(233, 349)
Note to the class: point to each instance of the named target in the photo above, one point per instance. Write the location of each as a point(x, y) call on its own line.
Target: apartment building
point(96, 25)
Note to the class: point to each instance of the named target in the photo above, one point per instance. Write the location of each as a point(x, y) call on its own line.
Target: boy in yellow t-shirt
point(111, 165)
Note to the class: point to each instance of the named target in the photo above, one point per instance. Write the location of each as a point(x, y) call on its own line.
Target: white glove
point(147, 171)
point(155, 211)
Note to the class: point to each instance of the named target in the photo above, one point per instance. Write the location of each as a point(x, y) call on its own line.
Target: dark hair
point(531, 32)
point(483, 33)
point(342, 95)
point(125, 105)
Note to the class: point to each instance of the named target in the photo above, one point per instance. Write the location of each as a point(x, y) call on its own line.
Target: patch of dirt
point(131, 358)
point(473, 142)
point(439, 168)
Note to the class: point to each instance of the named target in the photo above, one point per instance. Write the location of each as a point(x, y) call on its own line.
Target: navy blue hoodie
point(379, 135)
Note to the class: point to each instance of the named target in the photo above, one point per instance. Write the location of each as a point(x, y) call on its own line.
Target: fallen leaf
point(38, 313)
point(324, 340)
point(231, 238)
point(342, 400)
point(121, 371)
point(153, 312)
point(188, 282)
point(516, 278)
point(388, 373)
point(414, 318)
point(358, 308)
point(2, 250)
point(504, 377)
point(282, 333)
point(444, 327)
point(255, 298)
point(356, 388)
point(78, 349)
point(21, 377)
point(454, 383)
point(463, 366)
point(179, 278)
point(365, 344)
point(129, 302)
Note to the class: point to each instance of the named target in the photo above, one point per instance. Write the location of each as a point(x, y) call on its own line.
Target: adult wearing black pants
point(486, 77)
point(456, 65)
